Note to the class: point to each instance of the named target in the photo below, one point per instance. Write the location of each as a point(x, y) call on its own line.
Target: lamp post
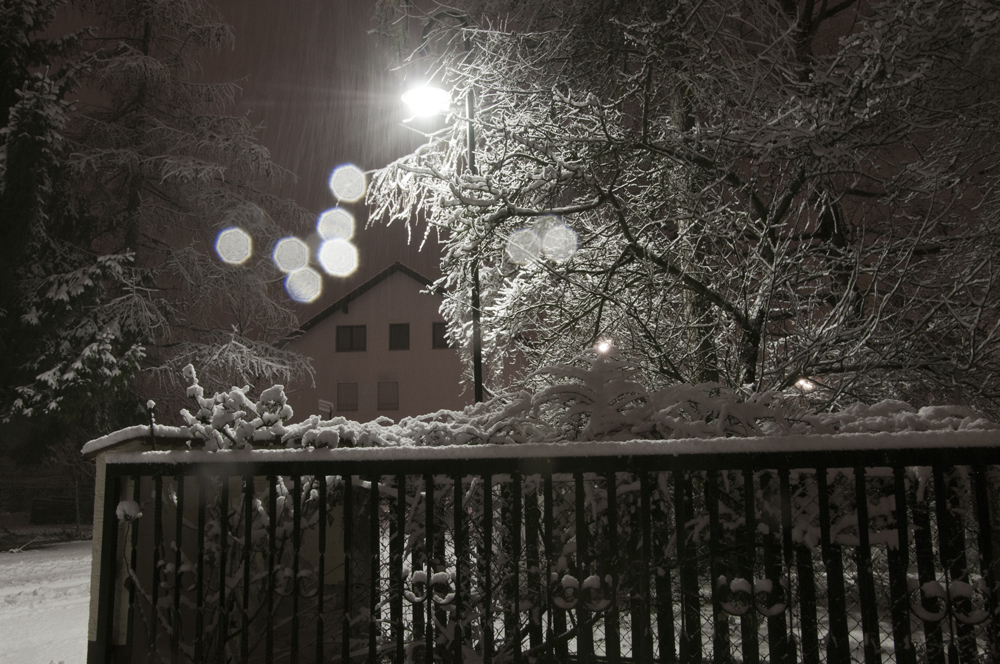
point(427, 101)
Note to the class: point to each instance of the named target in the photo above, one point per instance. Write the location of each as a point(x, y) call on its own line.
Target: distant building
point(379, 350)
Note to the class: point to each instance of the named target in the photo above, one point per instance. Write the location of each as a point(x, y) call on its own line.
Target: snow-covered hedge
point(600, 400)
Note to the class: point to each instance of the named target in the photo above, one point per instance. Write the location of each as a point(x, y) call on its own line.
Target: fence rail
point(878, 555)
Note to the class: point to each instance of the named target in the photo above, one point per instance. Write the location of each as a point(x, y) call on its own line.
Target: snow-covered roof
point(343, 303)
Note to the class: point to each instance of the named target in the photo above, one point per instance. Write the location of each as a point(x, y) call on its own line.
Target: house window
point(350, 337)
point(347, 396)
point(388, 396)
point(438, 336)
point(399, 336)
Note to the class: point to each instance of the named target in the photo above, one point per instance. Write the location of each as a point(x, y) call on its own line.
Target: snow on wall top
point(592, 406)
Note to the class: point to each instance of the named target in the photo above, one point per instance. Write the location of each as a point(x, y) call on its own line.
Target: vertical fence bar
point(429, 547)
point(460, 553)
point(807, 595)
point(515, 480)
point(986, 561)
point(777, 634)
point(643, 636)
point(223, 554)
point(247, 544)
point(374, 510)
point(199, 601)
point(487, 563)
point(720, 632)
point(321, 570)
point(898, 558)
point(397, 536)
point(296, 543)
point(612, 638)
point(272, 545)
point(664, 590)
point(348, 525)
point(838, 648)
point(691, 646)
point(154, 617)
point(923, 549)
point(585, 635)
point(748, 621)
point(132, 569)
point(175, 615)
point(951, 531)
point(866, 581)
point(109, 577)
point(785, 491)
point(532, 517)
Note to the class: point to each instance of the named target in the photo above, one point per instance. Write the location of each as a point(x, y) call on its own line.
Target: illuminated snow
point(347, 183)
point(559, 243)
point(338, 257)
point(290, 254)
point(233, 246)
point(427, 100)
point(524, 246)
point(335, 223)
point(304, 285)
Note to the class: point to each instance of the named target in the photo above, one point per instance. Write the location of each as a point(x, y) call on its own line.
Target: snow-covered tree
point(120, 166)
point(758, 192)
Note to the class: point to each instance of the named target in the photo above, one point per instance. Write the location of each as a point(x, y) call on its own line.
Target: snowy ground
point(44, 602)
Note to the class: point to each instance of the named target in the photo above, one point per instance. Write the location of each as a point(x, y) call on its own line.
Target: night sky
point(320, 87)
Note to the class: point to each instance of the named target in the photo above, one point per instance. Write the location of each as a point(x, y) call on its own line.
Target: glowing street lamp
point(425, 101)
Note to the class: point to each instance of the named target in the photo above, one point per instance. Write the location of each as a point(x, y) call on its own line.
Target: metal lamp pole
point(477, 338)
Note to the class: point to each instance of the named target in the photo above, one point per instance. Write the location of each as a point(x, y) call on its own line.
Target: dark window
point(347, 396)
point(388, 396)
point(350, 337)
point(438, 336)
point(399, 336)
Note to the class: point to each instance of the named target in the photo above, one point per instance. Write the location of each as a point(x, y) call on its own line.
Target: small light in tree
point(805, 385)
point(304, 285)
point(234, 246)
point(335, 223)
point(347, 183)
point(338, 257)
point(603, 347)
point(427, 100)
point(290, 254)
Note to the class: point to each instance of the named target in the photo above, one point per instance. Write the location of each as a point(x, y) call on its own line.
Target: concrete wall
point(428, 378)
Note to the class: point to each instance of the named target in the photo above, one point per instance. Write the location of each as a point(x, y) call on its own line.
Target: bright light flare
point(304, 285)
point(347, 182)
point(336, 223)
point(338, 257)
point(427, 100)
point(603, 347)
point(805, 385)
point(559, 243)
point(290, 254)
point(524, 246)
point(234, 246)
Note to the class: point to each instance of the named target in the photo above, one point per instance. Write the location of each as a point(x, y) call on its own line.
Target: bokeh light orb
point(234, 246)
point(336, 223)
point(304, 285)
point(338, 257)
point(427, 100)
point(524, 246)
point(559, 243)
point(290, 254)
point(347, 182)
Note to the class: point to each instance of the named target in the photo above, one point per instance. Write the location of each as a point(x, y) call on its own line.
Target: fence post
point(108, 576)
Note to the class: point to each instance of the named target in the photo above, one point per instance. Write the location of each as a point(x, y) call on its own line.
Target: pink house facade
point(379, 351)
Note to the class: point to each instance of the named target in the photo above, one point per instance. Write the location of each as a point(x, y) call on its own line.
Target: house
point(379, 351)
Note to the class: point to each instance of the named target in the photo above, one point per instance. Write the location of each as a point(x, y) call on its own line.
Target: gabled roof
point(343, 303)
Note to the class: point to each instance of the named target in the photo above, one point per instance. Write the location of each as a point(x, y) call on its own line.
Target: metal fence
point(834, 556)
